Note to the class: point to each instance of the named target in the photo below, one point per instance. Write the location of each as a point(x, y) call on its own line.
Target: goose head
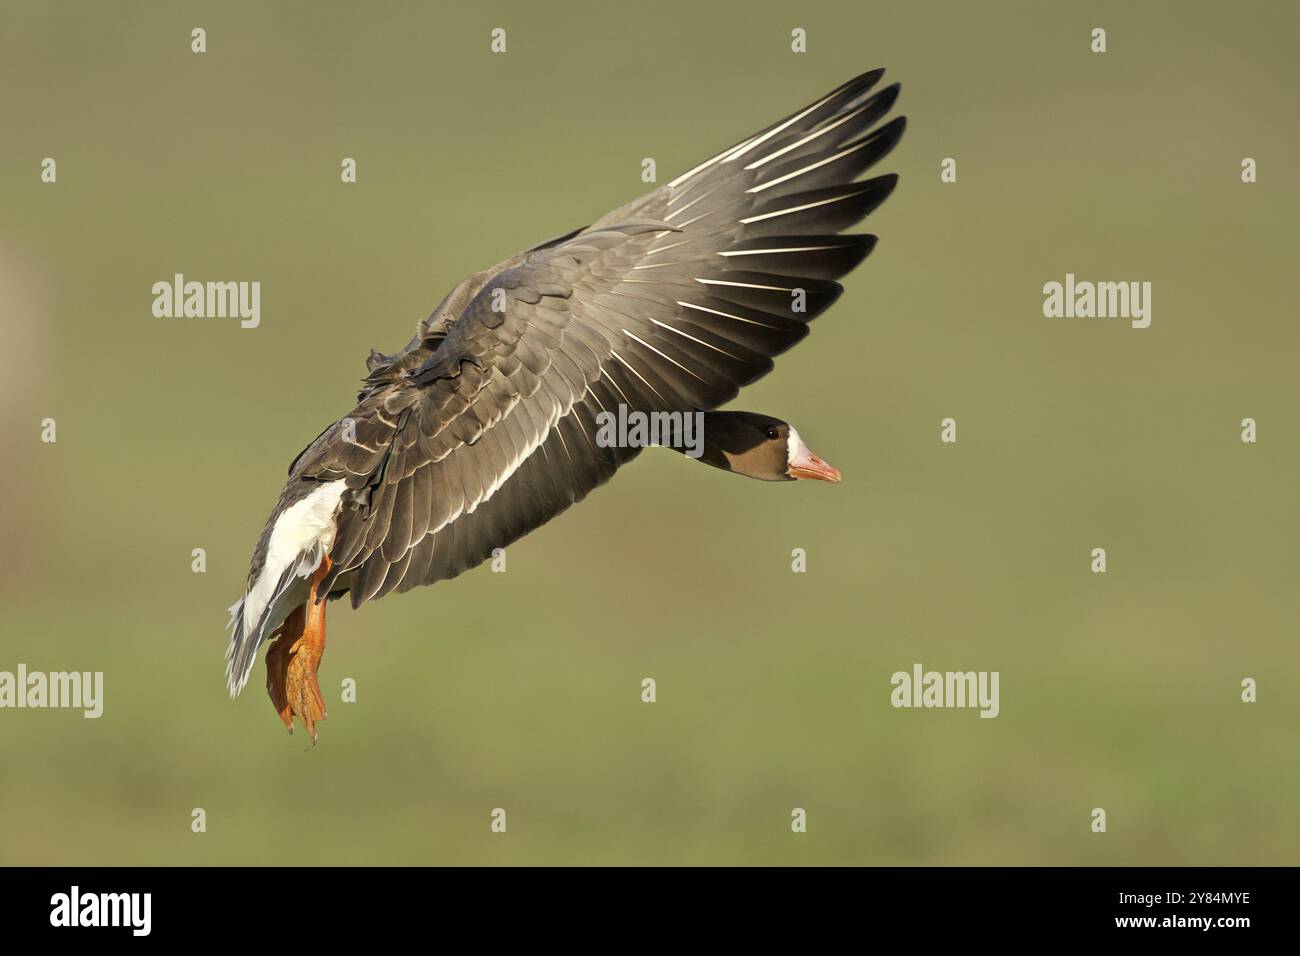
point(762, 447)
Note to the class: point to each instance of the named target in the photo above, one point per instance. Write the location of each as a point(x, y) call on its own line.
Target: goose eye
point(773, 434)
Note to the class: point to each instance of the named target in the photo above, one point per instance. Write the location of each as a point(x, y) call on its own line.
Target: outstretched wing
point(671, 303)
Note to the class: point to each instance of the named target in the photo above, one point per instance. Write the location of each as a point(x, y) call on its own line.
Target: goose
point(486, 424)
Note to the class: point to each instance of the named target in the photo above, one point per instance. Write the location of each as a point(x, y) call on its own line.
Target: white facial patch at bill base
point(794, 447)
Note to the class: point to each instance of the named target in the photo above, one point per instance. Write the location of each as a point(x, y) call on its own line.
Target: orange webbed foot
point(293, 659)
point(302, 690)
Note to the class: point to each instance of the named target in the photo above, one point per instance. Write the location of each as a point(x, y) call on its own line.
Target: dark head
point(761, 447)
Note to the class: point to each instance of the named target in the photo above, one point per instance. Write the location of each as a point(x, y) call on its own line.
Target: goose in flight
point(488, 423)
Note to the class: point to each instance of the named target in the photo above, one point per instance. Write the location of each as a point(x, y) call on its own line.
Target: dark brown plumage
point(482, 427)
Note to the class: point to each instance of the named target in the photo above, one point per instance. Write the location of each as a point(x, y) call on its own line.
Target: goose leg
point(293, 658)
point(277, 664)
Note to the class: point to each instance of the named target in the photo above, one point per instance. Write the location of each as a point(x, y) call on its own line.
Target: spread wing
point(485, 426)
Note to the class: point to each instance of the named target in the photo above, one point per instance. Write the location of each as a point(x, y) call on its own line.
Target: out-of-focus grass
point(522, 690)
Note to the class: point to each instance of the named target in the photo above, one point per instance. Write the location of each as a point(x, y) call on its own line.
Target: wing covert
point(486, 427)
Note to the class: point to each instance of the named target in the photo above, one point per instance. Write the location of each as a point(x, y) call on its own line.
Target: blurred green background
point(522, 690)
